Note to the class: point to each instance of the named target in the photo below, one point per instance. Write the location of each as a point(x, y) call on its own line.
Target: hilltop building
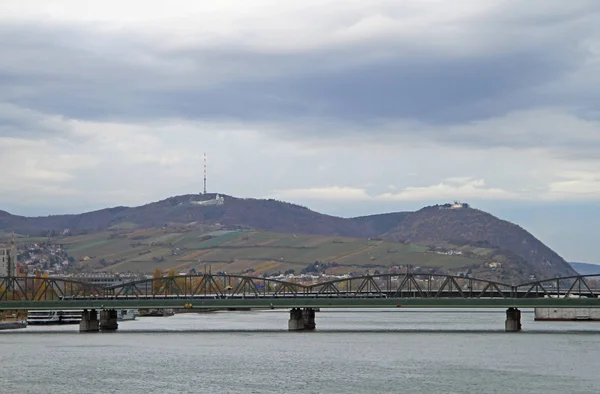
point(218, 200)
point(459, 205)
point(8, 259)
point(455, 205)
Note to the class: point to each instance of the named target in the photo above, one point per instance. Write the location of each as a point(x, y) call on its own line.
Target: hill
point(586, 268)
point(242, 251)
point(439, 226)
point(446, 229)
point(269, 215)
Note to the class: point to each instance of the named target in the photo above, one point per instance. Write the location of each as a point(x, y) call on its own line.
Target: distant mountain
point(464, 225)
point(445, 227)
point(586, 268)
point(270, 215)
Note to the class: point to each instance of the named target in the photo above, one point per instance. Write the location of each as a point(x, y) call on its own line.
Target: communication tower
point(204, 172)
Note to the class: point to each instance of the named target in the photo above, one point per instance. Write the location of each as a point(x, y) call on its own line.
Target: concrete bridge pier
point(296, 322)
point(513, 320)
point(108, 320)
point(308, 314)
point(89, 321)
point(302, 319)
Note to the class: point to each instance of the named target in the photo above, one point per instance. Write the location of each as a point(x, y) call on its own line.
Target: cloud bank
point(342, 106)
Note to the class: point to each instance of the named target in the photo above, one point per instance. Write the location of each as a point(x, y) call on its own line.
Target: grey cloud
point(87, 74)
point(455, 91)
point(415, 89)
point(428, 90)
point(19, 122)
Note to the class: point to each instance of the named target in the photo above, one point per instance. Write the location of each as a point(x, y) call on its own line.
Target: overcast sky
point(348, 107)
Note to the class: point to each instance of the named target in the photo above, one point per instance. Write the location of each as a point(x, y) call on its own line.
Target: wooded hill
point(439, 229)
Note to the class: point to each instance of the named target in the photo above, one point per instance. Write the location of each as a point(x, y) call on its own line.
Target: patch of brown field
point(256, 240)
point(242, 265)
point(82, 238)
point(314, 242)
point(182, 267)
point(267, 266)
point(195, 255)
point(363, 250)
point(341, 270)
point(142, 233)
point(272, 266)
point(239, 266)
point(200, 268)
point(267, 243)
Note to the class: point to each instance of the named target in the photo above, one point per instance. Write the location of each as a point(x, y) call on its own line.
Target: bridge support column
point(108, 320)
point(302, 319)
point(513, 320)
point(308, 314)
point(89, 321)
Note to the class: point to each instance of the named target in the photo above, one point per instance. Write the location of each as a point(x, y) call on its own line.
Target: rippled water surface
point(374, 351)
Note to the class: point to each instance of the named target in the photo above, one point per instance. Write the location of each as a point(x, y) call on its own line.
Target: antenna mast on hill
point(204, 172)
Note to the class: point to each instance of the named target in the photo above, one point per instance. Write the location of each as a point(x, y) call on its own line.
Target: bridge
point(409, 290)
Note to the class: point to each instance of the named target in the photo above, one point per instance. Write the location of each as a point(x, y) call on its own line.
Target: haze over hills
point(586, 268)
point(443, 229)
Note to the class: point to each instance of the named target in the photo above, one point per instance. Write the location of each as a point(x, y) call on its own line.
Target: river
point(352, 351)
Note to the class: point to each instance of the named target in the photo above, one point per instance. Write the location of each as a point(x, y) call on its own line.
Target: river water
point(352, 351)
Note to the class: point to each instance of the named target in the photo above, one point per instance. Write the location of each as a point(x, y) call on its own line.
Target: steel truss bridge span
point(419, 290)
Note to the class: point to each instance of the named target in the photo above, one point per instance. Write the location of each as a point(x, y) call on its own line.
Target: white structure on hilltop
point(458, 205)
point(218, 200)
point(455, 205)
point(8, 259)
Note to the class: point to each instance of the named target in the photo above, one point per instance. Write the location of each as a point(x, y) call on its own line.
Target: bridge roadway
point(298, 301)
point(410, 290)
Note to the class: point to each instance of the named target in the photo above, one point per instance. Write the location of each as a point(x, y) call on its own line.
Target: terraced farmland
point(241, 251)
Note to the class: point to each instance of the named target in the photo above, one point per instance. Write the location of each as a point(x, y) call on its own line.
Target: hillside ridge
point(446, 228)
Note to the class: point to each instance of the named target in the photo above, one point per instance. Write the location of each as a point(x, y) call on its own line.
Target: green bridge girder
point(222, 291)
point(287, 303)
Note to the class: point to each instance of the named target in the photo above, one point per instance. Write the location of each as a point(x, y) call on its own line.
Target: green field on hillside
point(240, 251)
